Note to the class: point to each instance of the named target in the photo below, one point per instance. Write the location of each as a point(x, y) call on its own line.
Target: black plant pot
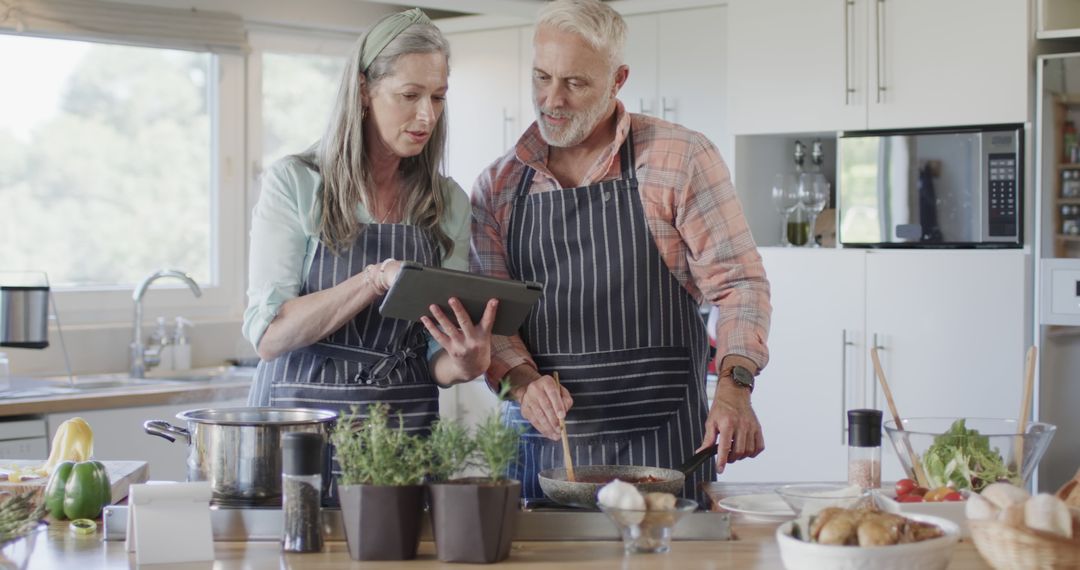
point(382, 522)
point(474, 520)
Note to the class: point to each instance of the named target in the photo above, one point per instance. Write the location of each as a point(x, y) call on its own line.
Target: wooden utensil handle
point(565, 441)
point(916, 465)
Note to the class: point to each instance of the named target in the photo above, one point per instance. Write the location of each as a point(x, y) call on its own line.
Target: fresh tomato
point(909, 499)
point(953, 496)
point(904, 487)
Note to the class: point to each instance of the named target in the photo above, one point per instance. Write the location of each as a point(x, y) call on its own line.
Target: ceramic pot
point(382, 522)
point(474, 520)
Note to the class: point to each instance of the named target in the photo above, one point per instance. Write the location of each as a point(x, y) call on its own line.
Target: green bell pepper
point(78, 490)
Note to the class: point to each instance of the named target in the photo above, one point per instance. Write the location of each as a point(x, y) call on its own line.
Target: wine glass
point(785, 197)
point(813, 194)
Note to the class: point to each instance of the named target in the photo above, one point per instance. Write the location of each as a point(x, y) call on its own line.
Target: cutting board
point(121, 474)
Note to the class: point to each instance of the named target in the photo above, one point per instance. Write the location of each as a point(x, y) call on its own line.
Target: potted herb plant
point(381, 485)
point(474, 519)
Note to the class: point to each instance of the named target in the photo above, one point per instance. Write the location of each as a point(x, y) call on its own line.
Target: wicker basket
point(1007, 547)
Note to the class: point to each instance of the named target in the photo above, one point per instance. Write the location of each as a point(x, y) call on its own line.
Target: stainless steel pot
point(238, 450)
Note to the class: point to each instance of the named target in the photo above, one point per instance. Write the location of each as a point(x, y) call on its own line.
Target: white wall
point(345, 15)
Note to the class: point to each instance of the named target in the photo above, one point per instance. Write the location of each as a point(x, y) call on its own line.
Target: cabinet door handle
point(848, 6)
point(506, 120)
point(880, 13)
point(844, 344)
point(641, 107)
point(664, 108)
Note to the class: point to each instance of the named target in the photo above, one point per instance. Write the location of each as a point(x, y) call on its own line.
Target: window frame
point(223, 297)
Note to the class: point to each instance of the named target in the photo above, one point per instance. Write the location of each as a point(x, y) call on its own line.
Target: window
point(106, 161)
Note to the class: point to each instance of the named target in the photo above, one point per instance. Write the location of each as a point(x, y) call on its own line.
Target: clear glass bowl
point(809, 498)
point(1017, 455)
point(648, 531)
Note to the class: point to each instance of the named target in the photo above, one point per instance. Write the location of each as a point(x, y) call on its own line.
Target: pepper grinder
point(864, 448)
point(301, 491)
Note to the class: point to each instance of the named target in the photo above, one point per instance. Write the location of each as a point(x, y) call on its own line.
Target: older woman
point(332, 226)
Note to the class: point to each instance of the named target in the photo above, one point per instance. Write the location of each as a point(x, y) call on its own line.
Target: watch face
point(742, 376)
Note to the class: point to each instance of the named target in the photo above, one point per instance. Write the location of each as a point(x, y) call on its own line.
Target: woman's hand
point(467, 345)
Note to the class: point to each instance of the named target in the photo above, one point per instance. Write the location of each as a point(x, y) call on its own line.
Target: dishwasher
point(24, 437)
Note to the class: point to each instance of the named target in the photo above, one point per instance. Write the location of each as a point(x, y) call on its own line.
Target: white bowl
point(933, 554)
point(950, 510)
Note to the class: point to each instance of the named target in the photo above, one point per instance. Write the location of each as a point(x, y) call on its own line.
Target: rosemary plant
point(452, 449)
point(371, 452)
point(18, 516)
point(497, 441)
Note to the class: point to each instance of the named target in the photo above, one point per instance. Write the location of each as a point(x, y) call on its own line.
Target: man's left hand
point(733, 423)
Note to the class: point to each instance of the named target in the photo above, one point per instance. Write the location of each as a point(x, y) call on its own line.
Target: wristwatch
point(742, 377)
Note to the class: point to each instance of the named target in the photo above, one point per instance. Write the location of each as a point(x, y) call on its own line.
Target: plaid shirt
point(691, 210)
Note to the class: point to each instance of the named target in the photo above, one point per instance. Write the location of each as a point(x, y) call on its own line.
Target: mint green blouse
point(284, 238)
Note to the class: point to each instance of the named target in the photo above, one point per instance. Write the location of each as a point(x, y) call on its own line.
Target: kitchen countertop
point(175, 392)
point(754, 547)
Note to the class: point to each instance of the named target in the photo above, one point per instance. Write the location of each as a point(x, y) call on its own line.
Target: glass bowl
point(648, 531)
point(952, 454)
point(809, 498)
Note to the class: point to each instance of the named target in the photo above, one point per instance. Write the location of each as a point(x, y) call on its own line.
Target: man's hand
point(733, 423)
point(543, 401)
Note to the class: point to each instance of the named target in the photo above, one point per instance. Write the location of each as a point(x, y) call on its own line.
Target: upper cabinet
point(824, 65)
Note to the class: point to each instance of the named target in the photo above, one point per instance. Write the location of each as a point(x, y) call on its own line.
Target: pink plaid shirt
point(692, 212)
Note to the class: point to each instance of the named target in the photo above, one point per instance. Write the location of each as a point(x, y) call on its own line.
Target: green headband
point(384, 31)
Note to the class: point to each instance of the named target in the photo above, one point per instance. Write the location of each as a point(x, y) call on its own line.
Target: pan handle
point(164, 429)
point(699, 458)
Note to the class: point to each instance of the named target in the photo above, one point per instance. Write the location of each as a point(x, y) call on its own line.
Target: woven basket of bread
point(1007, 544)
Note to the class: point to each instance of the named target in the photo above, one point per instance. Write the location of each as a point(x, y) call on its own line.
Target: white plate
point(761, 506)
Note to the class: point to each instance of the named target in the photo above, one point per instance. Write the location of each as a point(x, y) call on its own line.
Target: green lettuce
point(963, 459)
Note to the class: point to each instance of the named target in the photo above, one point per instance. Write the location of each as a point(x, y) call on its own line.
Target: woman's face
point(404, 106)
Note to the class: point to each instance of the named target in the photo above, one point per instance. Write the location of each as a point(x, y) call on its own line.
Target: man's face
point(573, 86)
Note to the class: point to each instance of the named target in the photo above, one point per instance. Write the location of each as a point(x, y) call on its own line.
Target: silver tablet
point(417, 287)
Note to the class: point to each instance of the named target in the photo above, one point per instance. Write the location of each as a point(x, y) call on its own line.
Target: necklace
point(386, 215)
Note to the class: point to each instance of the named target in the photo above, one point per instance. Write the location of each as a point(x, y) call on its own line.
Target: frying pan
point(582, 493)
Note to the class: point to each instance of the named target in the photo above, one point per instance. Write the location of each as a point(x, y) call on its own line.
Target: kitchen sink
point(60, 385)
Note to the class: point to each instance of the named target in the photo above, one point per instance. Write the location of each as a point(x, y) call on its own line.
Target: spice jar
point(864, 448)
point(301, 488)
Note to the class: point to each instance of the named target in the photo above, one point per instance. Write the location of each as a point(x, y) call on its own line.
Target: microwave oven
point(924, 188)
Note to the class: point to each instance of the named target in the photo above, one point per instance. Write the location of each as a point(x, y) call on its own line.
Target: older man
point(631, 223)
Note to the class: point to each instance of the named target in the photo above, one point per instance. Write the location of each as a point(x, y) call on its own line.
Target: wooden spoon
point(1025, 407)
point(916, 466)
point(565, 442)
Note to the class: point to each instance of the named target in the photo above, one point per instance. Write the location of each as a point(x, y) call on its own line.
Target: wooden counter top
point(141, 395)
point(755, 547)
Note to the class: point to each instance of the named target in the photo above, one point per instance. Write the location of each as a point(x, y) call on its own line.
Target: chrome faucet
point(142, 358)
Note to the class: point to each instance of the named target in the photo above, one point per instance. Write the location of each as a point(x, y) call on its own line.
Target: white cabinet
point(678, 70)
point(483, 102)
point(823, 65)
point(949, 326)
point(814, 372)
point(119, 435)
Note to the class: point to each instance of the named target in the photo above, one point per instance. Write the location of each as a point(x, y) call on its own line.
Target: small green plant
point(371, 452)
point(451, 449)
point(497, 441)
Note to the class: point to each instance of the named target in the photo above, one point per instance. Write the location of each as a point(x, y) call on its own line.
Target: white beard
point(577, 129)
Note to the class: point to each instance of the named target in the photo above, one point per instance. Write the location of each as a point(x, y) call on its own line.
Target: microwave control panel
point(1002, 215)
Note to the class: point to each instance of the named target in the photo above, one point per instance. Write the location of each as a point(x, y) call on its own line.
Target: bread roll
point(1048, 513)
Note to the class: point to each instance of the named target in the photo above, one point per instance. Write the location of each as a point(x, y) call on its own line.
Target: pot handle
point(162, 428)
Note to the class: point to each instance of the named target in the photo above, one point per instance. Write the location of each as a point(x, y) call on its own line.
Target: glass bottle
point(301, 491)
point(864, 448)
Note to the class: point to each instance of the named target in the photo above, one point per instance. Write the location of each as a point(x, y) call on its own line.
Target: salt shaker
point(301, 489)
point(864, 448)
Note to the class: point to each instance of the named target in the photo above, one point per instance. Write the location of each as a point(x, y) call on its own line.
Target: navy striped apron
point(370, 359)
point(624, 335)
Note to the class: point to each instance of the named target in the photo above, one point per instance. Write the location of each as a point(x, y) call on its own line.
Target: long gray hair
point(345, 168)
